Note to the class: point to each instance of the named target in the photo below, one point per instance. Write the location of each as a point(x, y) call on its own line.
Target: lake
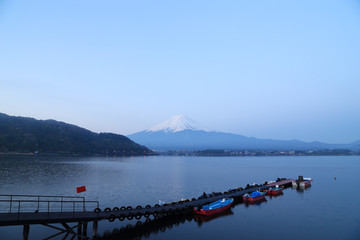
point(329, 209)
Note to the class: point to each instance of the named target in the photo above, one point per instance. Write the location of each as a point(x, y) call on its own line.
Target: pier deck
point(181, 207)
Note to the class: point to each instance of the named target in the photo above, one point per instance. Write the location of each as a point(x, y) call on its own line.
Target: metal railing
point(41, 203)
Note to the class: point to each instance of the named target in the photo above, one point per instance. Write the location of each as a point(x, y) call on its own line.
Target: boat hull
point(274, 192)
point(305, 184)
point(208, 218)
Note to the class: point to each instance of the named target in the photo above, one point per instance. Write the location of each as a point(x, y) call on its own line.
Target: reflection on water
point(276, 195)
point(301, 189)
point(155, 225)
point(201, 219)
point(162, 223)
point(258, 202)
point(145, 228)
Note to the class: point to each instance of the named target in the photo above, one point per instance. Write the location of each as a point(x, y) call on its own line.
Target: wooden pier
point(80, 214)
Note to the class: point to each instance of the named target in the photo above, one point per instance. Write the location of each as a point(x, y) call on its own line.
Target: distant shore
point(207, 153)
point(229, 153)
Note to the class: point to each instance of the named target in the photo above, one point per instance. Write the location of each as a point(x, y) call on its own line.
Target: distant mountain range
point(183, 133)
point(28, 135)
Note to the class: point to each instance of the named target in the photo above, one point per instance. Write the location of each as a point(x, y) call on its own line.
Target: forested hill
point(28, 135)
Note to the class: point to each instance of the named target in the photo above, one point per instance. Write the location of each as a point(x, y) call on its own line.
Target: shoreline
point(204, 153)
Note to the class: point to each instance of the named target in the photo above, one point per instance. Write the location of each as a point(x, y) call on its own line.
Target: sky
point(269, 69)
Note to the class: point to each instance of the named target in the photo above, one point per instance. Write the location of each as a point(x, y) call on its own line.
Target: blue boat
point(254, 196)
point(215, 207)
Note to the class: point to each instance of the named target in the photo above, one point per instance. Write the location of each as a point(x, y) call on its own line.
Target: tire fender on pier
point(138, 215)
point(122, 217)
point(111, 218)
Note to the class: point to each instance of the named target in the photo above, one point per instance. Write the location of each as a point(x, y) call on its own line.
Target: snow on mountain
point(179, 123)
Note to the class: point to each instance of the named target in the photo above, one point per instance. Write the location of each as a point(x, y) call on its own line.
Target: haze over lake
point(328, 209)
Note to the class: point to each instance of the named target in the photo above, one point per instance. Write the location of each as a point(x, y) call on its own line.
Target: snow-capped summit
point(179, 123)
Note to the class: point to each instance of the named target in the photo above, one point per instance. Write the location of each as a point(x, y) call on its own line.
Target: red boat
point(275, 190)
point(254, 196)
point(203, 218)
point(215, 207)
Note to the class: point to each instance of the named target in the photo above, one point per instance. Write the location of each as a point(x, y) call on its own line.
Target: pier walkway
point(46, 210)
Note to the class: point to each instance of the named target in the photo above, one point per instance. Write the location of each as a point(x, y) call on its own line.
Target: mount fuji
point(182, 133)
point(178, 123)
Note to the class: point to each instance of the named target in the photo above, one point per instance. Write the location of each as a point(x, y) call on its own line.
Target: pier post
point(79, 228)
point(84, 230)
point(26, 231)
point(95, 229)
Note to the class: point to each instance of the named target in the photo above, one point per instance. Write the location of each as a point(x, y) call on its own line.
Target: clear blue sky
point(268, 69)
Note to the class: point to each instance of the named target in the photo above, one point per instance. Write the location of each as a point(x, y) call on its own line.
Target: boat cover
point(255, 194)
point(218, 204)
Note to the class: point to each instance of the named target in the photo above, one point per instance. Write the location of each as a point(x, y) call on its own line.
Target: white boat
point(302, 182)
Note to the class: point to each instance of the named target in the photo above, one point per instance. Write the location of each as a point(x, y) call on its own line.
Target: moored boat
point(306, 182)
point(275, 190)
point(215, 207)
point(302, 182)
point(254, 196)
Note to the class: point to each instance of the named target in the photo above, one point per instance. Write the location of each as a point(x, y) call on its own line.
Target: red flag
point(80, 189)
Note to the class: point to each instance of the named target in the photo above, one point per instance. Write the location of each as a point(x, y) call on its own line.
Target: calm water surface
point(329, 209)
